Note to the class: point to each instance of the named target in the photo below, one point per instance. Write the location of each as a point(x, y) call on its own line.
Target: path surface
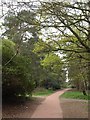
point(50, 107)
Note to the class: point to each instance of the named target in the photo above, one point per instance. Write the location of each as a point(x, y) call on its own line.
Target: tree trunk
point(88, 74)
point(83, 88)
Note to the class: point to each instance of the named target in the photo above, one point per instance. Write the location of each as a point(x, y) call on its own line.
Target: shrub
point(16, 76)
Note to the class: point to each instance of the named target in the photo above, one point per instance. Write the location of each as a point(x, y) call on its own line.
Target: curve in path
point(50, 107)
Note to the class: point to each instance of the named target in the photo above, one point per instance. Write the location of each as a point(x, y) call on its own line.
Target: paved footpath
point(50, 107)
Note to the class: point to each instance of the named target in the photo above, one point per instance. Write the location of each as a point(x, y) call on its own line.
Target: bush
point(16, 76)
point(53, 84)
point(73, 86)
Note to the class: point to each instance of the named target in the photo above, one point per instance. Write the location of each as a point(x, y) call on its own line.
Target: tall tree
point(70, 21)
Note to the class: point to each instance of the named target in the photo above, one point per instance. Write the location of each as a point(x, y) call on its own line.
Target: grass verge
point(42, 92)
point(75, 95)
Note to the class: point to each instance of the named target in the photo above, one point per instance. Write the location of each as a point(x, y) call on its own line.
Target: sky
point(15, 1)
point(40, 0)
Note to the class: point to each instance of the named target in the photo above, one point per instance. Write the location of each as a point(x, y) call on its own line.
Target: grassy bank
point(42, 92)
point(75, 95)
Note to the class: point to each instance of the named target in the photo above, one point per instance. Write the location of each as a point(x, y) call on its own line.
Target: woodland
point(44, 44)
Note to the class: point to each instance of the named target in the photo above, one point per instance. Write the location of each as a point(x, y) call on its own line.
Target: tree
point(71, 22)
point(20, 28)
point(53, 66)
point(78, 74)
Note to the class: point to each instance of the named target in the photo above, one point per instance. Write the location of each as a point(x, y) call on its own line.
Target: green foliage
point(0, 46)
point(16, 75)
point(0, 59)
point(8, 50)
point(42, 92)
point(51, 83)
point(77, 69)
point(21, 29)
point(53, 66)
point(75, 95)
point(41, 47)
point(24, 72)
point(71, 36)
point(21, 26)
point(51, 60)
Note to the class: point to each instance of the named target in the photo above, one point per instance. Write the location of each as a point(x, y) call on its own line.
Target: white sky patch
point(47, 33)
point(67, 76)
point(59, 54)
point(6, 1)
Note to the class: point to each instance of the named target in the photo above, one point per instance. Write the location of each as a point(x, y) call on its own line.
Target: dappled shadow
point(21, 109)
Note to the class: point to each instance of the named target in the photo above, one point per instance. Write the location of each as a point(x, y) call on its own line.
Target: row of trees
point(39, 32)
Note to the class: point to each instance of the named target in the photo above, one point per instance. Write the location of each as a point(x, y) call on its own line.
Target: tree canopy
point(46, 39)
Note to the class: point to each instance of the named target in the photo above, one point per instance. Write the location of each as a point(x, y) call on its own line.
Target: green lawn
point(42, 92)
point(75, 95)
